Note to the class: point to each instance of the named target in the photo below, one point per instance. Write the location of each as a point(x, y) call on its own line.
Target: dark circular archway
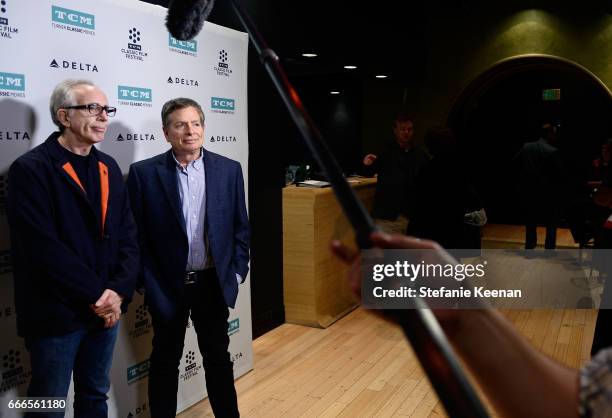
point(504, 107)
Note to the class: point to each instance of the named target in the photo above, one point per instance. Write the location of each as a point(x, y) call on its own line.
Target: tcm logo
point(138, 371)
point(233, 326)
point(190, 47)
point(10, 81)
point(222, 105)
point(134, 94)
point(73, 18)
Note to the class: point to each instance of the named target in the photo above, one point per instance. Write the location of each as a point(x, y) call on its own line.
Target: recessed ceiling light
point(350, 67)
point(334, 92)
point(381, 76)
point(309, 55)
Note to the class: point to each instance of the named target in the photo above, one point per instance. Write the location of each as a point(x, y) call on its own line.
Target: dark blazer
point(66, 252)
point(397, 170)
point(153, 187)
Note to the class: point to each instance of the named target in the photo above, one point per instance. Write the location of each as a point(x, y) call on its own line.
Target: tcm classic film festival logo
point(12, 85)
point(14, 373)
point(142, 322)
point(222, 105)
point(73, 20)
point(192, 368)
point(134, 96)
point(6, 31)
point(183, 47)
point(222, 68)
point(134, 50)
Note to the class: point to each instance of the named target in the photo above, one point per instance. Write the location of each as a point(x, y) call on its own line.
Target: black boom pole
point(419, 324)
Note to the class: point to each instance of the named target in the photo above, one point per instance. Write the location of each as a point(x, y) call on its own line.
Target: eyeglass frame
point(107, 109)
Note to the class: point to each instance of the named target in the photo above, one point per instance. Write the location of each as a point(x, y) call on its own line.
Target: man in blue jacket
point(193, 231)
point(75, 250)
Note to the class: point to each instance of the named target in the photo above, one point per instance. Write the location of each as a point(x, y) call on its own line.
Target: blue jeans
point(88, 352)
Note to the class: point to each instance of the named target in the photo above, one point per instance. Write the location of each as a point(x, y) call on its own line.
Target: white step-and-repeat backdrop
point(124, 47)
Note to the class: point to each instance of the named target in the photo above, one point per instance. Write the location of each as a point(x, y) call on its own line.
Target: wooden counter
point(315, 288)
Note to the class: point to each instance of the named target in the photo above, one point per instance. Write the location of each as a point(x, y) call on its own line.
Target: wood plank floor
point(362, 366)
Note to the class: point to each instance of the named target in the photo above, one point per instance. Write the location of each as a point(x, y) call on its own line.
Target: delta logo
point(222, 105)
point(222, 138)
point(134, 137)
point(12, 85)
point(73, 20)
point(73, 65)
point(182, 81)
point(183, 47)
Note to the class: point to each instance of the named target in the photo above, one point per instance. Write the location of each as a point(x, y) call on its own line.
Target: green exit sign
point(551, 94)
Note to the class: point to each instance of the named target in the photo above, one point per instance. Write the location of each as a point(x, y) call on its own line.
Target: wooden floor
point(362, 366)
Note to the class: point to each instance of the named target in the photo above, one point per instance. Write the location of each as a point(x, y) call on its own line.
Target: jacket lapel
point(166, 172)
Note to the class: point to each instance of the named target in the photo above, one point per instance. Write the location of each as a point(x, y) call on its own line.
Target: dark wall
point(268, 123)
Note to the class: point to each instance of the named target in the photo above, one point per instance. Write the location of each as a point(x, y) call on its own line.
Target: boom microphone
point(186, 17)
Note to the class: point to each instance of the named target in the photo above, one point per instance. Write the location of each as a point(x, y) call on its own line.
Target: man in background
point(397, 166)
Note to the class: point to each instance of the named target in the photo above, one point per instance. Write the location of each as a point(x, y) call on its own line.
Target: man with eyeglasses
point(193, 230)
point(75, 251)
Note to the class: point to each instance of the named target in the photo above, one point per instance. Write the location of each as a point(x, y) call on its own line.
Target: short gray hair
point(179, 103)
point(62, 96)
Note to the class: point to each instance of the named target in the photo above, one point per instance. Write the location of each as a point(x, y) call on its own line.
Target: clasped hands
point(108, 307)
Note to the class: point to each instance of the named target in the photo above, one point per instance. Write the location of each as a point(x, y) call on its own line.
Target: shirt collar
point(198, 164)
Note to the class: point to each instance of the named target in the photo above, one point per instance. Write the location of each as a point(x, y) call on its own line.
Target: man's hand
point(449, 318)
point(369, 159)
point(108, 307)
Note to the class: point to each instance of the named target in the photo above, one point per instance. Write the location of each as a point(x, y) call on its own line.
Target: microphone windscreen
point(186, 17)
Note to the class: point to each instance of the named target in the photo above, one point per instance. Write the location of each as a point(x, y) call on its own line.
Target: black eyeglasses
point(94, 109)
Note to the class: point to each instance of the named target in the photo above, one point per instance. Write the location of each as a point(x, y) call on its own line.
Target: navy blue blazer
point(154, 194)
point(65, 251)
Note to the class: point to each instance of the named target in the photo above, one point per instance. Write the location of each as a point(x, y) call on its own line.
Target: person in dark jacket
point(194, 233)
point(444, 196)
point(74, 248)
point(397, 166)
point(541, 186)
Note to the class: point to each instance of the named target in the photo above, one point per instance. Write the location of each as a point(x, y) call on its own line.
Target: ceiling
point(387, 37)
